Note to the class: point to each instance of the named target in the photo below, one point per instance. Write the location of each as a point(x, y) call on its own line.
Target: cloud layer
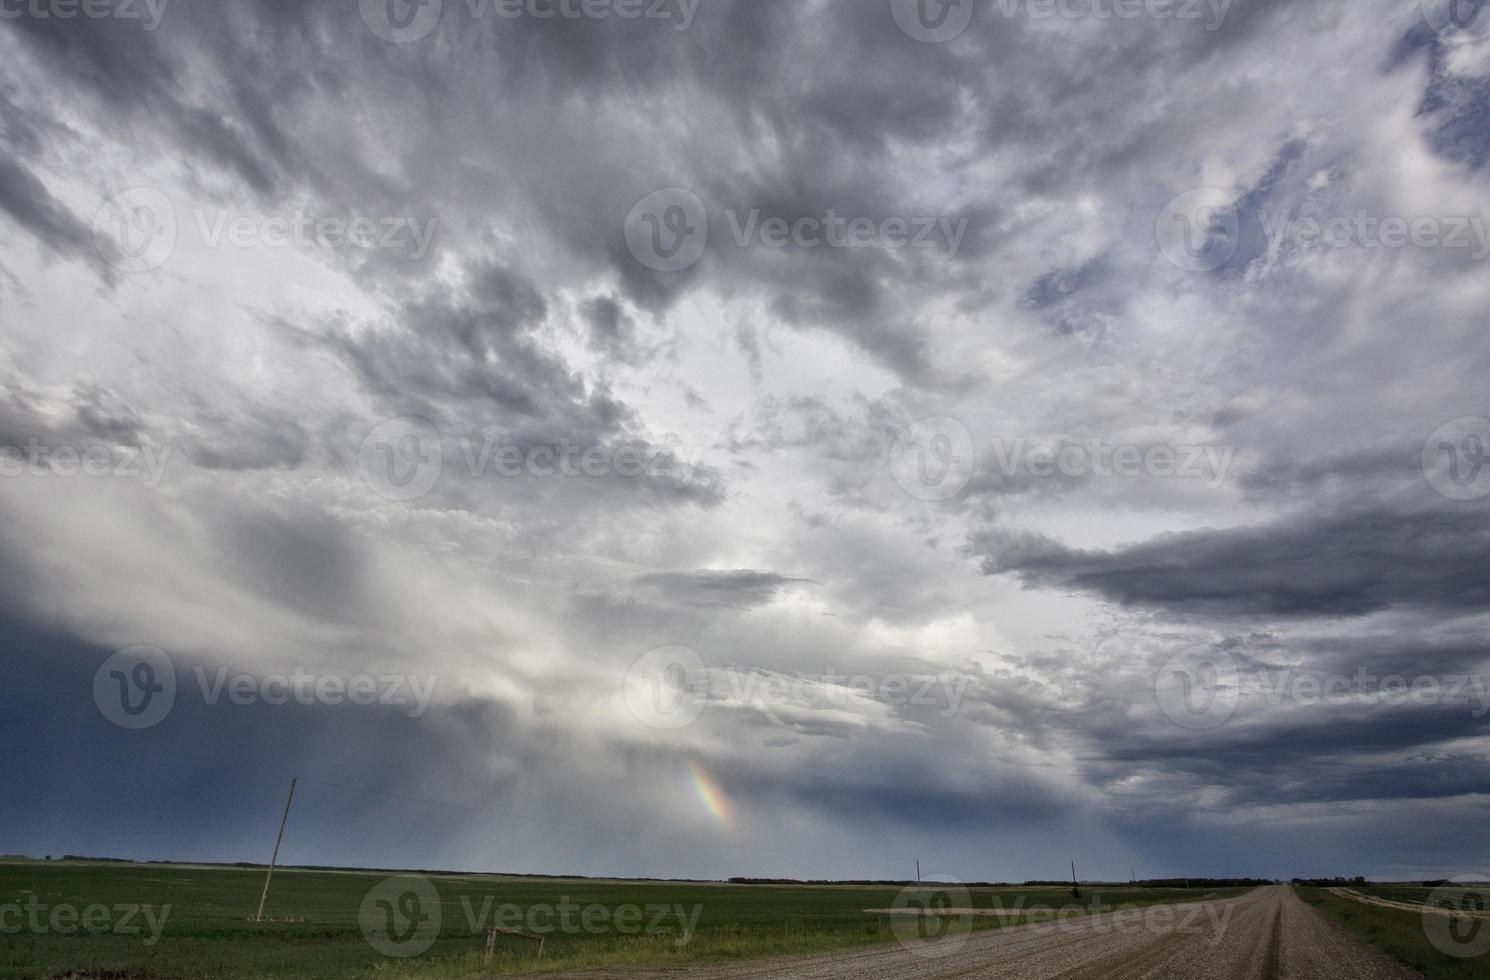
point(937, 397)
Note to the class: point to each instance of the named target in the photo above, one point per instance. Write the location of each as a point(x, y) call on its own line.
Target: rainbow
point(711, 796)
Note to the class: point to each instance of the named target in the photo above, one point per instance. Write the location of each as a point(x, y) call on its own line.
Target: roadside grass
point(1397, 932)
point(315, 930)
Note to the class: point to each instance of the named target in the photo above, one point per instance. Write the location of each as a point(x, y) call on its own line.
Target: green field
point(317, 932)
point(1397, 932)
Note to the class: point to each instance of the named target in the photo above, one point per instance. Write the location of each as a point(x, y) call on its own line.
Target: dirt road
point(1268, 933)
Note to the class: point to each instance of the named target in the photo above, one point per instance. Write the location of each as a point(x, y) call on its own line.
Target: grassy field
point(198, 921)
point(1398, 933)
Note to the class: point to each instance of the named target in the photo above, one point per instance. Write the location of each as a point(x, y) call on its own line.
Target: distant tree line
point(1358, 880)
point(1147, 883)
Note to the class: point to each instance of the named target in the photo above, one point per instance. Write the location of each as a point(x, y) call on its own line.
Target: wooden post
point(491, 940)
point(275, 858)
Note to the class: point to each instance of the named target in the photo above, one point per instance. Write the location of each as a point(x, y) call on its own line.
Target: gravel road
point(1268, 933)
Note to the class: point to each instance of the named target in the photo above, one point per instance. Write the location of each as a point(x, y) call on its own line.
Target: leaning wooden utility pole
point(275, 859)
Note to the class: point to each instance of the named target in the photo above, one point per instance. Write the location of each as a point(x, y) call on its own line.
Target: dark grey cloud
point(27, 200)
point(1351, 563)
point(773, 534)
point(730, 589)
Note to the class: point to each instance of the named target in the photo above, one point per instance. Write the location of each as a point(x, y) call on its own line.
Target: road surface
point(1268, 933)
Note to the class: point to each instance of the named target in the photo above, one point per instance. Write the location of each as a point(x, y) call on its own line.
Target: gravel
point(1268, 933)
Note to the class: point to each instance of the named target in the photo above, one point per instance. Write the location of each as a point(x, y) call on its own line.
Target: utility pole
point(275, 859)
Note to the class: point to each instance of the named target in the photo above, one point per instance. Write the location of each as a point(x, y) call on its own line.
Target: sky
point(708, 438)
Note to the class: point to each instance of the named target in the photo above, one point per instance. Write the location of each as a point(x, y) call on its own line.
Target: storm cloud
point(852, 371)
